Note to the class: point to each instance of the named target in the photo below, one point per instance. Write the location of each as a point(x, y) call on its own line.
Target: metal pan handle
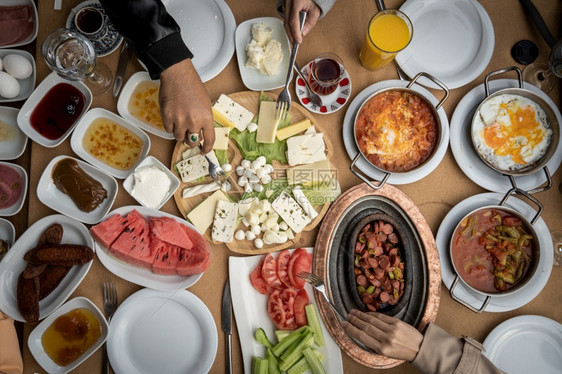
point(464, 303)
point(544, 187)
point(363, 178)
point(434, 80)
point(501, 71)
point(521, 192)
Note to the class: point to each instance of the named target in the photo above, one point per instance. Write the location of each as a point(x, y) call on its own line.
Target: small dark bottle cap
point(524, 52)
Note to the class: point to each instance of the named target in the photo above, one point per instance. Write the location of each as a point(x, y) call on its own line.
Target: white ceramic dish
point(55, 199)
point(36, 347)
point(84, 124)
point(501, 303)
point(526, 344)
point(252, 78)
point(35, 20)
point(365, 166)
point(453, 41)
point(24, 116)
point(13, 264)
point(250, 311)
point(140, 276)
point(467, 158)
point(26, 85)
point(14, 209)
point(123, 105)
point(162, 332)
point(12, 149)
point(128, 183)
point(7, 233)
point(214, 20)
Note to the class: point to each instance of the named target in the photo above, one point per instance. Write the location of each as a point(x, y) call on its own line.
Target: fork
point(216, 172)
point(319, 285)
point(109, 306)
point(284, 99)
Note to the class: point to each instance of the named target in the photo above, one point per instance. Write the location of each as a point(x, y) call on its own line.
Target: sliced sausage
point(361, 280)
point(384, 297)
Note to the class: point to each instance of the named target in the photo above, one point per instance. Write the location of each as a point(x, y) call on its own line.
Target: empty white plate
point(12, 140)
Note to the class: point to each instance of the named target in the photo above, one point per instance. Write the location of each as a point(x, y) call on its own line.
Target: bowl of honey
point(67, 337)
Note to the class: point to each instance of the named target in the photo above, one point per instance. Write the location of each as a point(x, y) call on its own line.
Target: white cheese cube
point(244, 206)
point(193, 168)
point(306, 149)
point(224, 223)
point(240, 235)
point(304, 203)
point(291, 212)
point(250, 235)
point(252, 127)
point(258, 243)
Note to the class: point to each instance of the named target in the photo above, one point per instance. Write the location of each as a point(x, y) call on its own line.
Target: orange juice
point(389, 32)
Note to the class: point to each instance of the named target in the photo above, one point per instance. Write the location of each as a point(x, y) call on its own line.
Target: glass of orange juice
point(390, 31)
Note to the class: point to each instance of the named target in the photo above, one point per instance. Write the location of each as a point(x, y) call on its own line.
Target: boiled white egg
point(9, 86)
point(17, 66)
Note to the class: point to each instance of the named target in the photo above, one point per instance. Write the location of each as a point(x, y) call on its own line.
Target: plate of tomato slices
point(267, 294)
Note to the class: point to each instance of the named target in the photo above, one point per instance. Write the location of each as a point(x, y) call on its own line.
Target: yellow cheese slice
point(221, 138)
point(309, 174)
point(221, 119)
point(267, 124)
point(295, 128)
point(202, 215)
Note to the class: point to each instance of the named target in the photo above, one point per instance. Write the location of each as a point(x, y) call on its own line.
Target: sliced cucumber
point(261, 337)
point(314, 323)
point(260, 366)
point(273, 363)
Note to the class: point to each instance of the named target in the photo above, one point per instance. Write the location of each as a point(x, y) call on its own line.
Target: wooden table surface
point(341, 32)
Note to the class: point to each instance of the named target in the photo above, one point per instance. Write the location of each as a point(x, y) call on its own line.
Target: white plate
point(453, 41)
point(252, 78)
point(36, 347)
point(207, 28)
point(84, 124)
point(26, 85)
point(13, 264)
point(162, 332)
point(13, 149)
point(7, 233)
point(14, 209)
point(33, 34)
point(365, 166)
point(123, 104)
point(250, 311)
point(128, 183)
point(140, 276)
point(468, 160)
point(55, 199)
point(24, 115)
point(502, 303)
point(526, 344)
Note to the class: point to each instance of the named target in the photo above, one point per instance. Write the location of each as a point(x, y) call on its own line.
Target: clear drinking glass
point(72, 56)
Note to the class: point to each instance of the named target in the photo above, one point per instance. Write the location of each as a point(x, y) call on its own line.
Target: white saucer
point(499, 303)
point(526, 344)
point(331, 103)
point(365, 166)
point(108, 43)
point(453, 41)
point(468, 160)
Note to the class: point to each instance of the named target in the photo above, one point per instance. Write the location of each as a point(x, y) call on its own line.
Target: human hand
point(185, 105)
point(292, 26)
point(386, 335)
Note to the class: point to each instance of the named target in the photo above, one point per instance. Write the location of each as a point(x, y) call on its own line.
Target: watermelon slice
point(166, 257)
point(107, 231)
point(133, 245)
point(198, 258)
point(170, 231)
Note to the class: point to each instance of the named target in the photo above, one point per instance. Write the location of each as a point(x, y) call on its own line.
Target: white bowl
point(14, 209)
point(10, 150)
point(35, 21)
point(84, 124)
point(123, 104)
point(24, 116)
point(51, 196)
point(36, 346)
point(7, 233)
point(128, 183)
point(26, 85)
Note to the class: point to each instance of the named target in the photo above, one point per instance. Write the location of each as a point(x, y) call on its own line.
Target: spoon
point(311, 94)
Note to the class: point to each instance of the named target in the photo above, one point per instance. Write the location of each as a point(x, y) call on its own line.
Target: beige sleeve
point(10, 354)
point(442, 353)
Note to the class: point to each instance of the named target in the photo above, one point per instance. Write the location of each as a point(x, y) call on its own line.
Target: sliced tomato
point(300, 261)
point(257, 280)
point(283, 259)
point(269, 271)
point(280, 307)
point(300, 302)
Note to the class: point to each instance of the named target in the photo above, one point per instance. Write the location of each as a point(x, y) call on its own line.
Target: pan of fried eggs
point(514, 131)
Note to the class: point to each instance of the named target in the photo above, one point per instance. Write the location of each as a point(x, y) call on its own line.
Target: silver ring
point(193, 137)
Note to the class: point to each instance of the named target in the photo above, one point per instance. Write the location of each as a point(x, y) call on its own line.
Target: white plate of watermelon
point(151, 248)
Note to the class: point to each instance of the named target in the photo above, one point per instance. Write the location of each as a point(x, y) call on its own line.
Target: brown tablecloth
point(341, 32)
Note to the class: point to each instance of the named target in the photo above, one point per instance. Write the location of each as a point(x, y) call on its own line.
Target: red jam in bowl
point(11, 186)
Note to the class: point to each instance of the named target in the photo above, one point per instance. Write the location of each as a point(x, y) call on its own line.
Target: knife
point(121, 68)
point(226, 322)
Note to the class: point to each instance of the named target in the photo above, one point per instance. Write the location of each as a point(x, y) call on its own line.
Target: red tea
point(325, 76)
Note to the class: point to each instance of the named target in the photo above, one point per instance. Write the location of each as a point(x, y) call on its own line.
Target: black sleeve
point(150, 31)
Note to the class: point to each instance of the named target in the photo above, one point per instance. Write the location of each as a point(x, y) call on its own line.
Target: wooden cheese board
point(250, 100)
